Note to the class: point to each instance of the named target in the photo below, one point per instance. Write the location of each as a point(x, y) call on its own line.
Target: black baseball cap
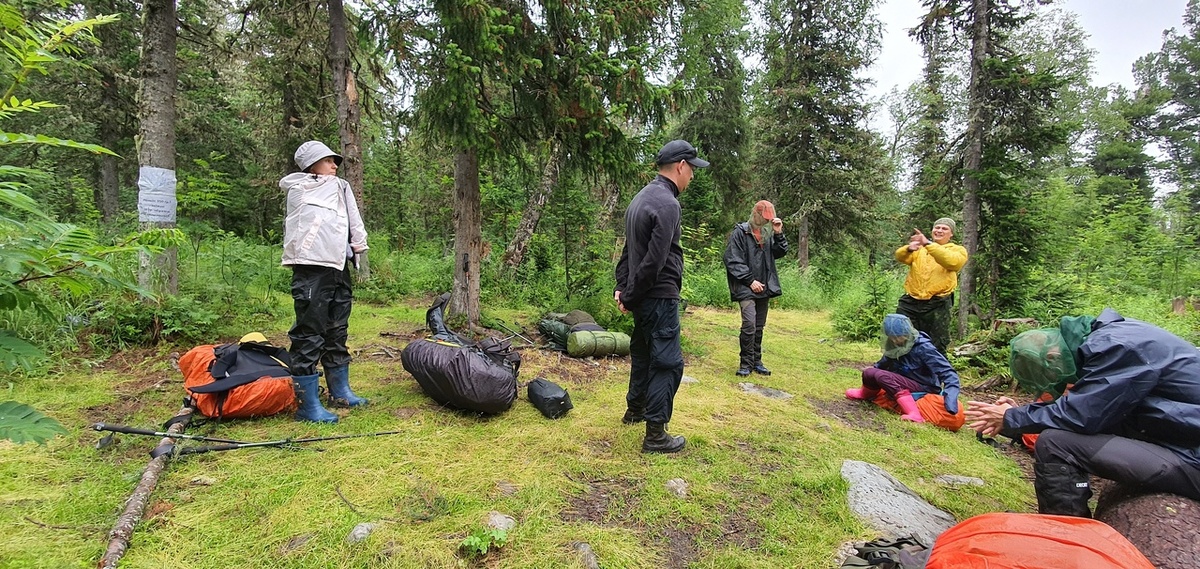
point(677, 150)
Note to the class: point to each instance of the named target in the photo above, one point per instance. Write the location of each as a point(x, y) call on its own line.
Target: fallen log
point(135, 505)
point(1165, 527)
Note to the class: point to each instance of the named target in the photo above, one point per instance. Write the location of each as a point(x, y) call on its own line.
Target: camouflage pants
point(930, 316)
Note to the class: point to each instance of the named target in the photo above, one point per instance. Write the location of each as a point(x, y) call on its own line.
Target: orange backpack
point(1034, 541)
point(250, 378)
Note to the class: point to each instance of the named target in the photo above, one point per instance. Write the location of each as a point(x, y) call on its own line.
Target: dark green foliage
point(120, 322)
point(1173, 76)
point(863, 321)
point(713, 36)
point(812, 153)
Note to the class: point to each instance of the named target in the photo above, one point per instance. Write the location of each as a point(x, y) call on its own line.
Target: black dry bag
point(552, 400)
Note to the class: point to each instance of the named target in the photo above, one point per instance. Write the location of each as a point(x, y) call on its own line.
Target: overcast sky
point(1121, 31)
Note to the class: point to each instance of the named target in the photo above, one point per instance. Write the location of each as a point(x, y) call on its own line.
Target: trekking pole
point(279, 443)
point(133, 431)
point(514, 332)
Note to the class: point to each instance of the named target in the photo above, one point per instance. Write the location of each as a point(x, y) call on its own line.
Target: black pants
point(1128, 461)
point(321, 297)
point(929, 316)
point(754, 319)
point(656, 359)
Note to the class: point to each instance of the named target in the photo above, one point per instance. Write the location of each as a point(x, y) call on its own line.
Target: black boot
point(759, 368)
point(745, 354)
point(657, 439)
point(1061, 490)
point(633, 415)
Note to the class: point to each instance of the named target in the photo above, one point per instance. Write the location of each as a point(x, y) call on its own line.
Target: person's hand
point(987, 419)
point(757, 287)
point(951, 400)
point(777, 225)
point(919, 238)
point(620, 305)
point(914, 245)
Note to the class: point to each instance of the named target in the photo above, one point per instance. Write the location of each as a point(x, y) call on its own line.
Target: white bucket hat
point(313, 151)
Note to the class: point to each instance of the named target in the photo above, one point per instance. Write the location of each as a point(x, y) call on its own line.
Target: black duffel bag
point(553, 401)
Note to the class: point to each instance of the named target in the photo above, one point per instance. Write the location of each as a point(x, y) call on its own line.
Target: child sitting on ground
point(910, 365)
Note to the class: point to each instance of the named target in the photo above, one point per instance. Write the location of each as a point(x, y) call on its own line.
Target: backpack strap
point(501, 352)
point(249, 361)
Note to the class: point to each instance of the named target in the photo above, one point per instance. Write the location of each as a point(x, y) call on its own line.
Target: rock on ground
point(889, 506)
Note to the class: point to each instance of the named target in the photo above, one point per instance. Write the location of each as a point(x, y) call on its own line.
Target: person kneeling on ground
point(1132, 414)
point(910, 364)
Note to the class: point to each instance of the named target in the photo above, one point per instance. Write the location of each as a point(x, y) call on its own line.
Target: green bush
point(403, 274)
point(120, 321)
point(859, 313)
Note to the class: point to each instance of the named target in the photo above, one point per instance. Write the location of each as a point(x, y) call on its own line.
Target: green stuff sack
point(555, 332)
point(587, 343)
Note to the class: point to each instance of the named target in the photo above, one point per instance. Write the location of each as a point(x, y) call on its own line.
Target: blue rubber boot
point(340, 395)
point(310, 409)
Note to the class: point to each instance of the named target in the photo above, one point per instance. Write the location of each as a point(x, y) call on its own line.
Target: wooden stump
point(1165, 527)
point(1179, 304)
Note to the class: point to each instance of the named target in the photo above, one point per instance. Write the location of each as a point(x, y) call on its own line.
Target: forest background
point(493, 146)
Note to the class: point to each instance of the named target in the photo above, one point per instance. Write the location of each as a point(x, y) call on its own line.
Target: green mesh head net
point(1041, 361)
point(899, 336)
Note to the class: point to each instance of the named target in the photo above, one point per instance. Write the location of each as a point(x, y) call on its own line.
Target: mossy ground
point(763, 474)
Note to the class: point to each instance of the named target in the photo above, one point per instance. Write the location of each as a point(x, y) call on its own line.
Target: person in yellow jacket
point(932, 277)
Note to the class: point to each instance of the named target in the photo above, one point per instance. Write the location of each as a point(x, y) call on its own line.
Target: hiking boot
point(743, 371)
point(632, 416)
point(761, 370)
point(658, 441)
point(1061, 490)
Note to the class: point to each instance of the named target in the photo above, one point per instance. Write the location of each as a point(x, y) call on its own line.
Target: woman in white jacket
point(322, 233)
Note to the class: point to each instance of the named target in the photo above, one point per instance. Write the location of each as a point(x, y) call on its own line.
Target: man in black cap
point(649, 276)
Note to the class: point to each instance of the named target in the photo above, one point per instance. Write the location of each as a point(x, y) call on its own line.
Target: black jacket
point(1136, 381)
point(651, 264)
point(746, 262)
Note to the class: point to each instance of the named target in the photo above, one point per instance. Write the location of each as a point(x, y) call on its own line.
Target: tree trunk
point(802, 243)
point(973, 159)
point(515, 253)
point(108, 188)
point(1164, 527)
point(156, 132)
point(349, 115)
point(468, 240)
point(135, 505)
point(108, 183)
point(609, 204)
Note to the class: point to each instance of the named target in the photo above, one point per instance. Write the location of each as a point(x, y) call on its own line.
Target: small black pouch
point(552, 400)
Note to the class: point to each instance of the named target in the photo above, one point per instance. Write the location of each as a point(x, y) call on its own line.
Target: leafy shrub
point(119, 321)
point(483, 540)
point(858, 315)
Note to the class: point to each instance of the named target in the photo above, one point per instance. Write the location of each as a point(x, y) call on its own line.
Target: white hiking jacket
point(322, 221)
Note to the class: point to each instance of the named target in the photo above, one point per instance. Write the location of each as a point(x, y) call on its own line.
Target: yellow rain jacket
point(933, 269)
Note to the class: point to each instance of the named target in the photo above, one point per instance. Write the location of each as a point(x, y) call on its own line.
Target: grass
point(763, 474)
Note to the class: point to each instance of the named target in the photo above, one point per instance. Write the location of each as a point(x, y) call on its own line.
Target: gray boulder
point(890, 507)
